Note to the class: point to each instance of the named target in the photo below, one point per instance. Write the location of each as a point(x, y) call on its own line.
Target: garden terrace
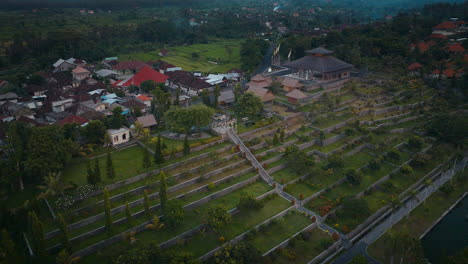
point(224, 189)
point(332, 119)
point(185, 189)
point(280, 229)
point(204, 242)
point(303, 247)
point(172, 166)
point(332, 197)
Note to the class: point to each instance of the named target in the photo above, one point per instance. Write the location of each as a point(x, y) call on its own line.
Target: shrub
point(406, 169)
point(353, 176)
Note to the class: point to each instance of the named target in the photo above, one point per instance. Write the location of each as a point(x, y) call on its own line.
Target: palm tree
point(53, 186)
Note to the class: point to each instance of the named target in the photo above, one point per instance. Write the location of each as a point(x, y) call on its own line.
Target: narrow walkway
point(263, 173)
point(395, 217)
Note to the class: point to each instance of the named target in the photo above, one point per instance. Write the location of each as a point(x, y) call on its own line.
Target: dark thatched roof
point(321, 63)
point(320, 50)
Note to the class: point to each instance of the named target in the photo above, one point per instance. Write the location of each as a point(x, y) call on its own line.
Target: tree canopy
point(249, 106)
point(184, 119)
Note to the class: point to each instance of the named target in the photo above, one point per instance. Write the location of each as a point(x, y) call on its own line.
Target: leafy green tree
point(65, 233)
point(276, 140)
point(110, 167)
point(95, 132)
point(218, 217)
point(148, 86)
point(162, 189)
point(146, 158)
point(248, 202)
point(158, 155)
point(353, 176)
point(450, 128)
point(249, 105)
point(174, 213)
point(237, 92)
point(48, 151)
point(52, 186)
point(186, 146)
point(17, 148)
point(205, 97)
point(63, 257)
point(117, 120)
point(128, 214)
point(37, 233)
point(354, 208)
point(97, 172)
point(146, 204)
point(282, 135)
point(7, 246)
point(108, 213)
point(183, 119)
point(298, 160)
point(415, 143)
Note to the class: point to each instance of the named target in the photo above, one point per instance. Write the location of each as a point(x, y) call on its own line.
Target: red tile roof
point(144, 98)
point(437, 36)
point(130, 65)
point(414, 66)
point(431, 43)
point(146, 74)
point(73, 119)
point(449, 73)
point(455, 48)
point(446, 25)
point(423, 47)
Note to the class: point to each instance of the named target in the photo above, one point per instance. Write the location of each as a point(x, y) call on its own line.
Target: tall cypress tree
point(158, 156)
point(128, 214)
point(90, 174)
point(177, 95)
point(146, 158)
point(110, 167)
point(217, 92)
point(97, 172)
point(38, 236)
point(107, 211)
point(65, 234)
point(162, 189)
point(147, 205)
point(186, 146)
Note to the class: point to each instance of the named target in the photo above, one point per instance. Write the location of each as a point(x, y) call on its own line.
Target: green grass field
point(225, 52)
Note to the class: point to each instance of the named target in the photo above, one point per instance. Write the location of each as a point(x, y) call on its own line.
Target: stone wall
point(333, 139)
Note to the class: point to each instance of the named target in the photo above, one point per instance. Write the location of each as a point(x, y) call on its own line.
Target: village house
point(80, 73)
point(226, 98)
point(106, 73)
point(414, 69)
point(147, 121)
point(73, 119)
point(290, 84)
point(127, 67)
point(144, 99)
point(62, 105)
point(119, 136)
point(258, 81)
point(67, 65)
point(95, 106)
point(135, 105)
point(188, 83)
point(296, 96)
point(265, 95)
point(145, 74)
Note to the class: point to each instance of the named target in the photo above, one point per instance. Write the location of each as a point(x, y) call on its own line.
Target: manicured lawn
point(302, 250)
point(420, 219)
point(218, 56)
point(279, 230)
point(127, 163)
point(242, 222)
point(285, 175)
